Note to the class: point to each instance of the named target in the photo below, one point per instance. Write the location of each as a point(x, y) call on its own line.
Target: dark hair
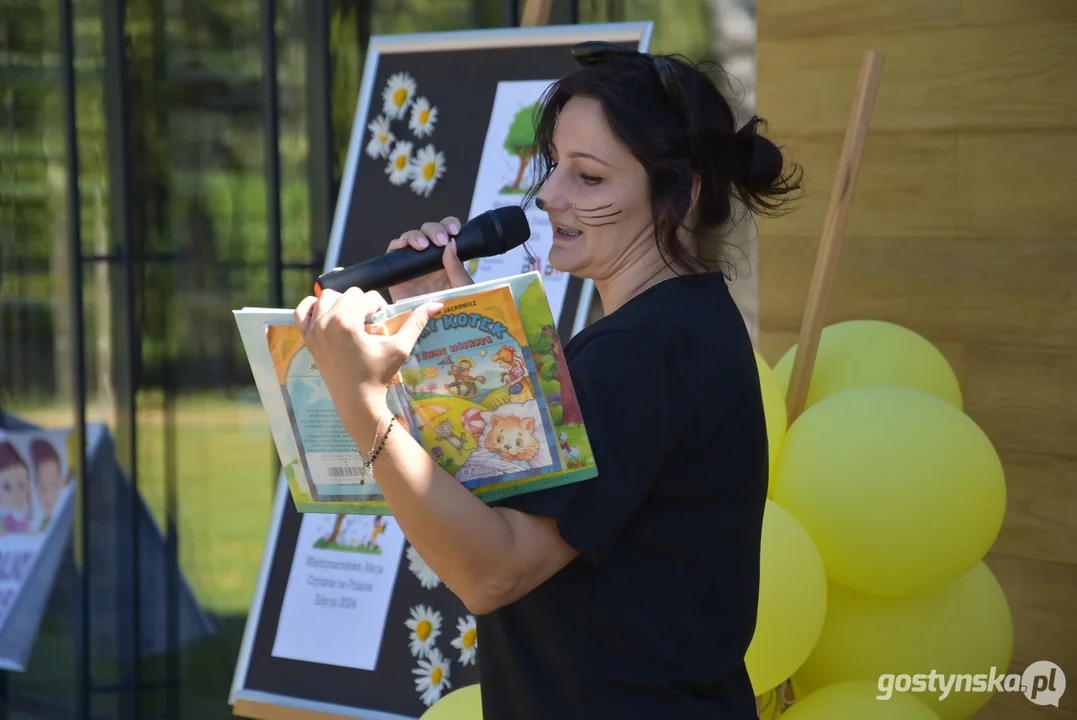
point(673, 149)
point(42, 451)
point(9, 457)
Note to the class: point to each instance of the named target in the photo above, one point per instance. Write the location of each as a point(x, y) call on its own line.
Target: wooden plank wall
point(964, 228)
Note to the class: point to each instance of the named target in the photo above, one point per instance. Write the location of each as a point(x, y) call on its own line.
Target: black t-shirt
point(654, 617)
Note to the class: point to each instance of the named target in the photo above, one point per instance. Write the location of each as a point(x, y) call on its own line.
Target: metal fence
point(161, 163)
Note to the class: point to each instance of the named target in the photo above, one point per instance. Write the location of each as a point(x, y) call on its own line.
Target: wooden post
point(263, 711)
point(536, 12)
point(837, 218)
point(826, 264)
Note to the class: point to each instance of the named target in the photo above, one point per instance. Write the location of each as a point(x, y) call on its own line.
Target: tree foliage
point(196, 142)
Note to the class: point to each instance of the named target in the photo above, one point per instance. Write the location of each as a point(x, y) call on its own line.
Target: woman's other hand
point(452, 274)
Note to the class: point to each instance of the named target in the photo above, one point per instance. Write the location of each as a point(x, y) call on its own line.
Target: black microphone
point(492, 233)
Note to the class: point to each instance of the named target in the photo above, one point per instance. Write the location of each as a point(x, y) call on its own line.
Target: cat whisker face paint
point(599, 216)
point(595, 217)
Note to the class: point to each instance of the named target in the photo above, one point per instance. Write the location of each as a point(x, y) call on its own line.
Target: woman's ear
point(690, 216)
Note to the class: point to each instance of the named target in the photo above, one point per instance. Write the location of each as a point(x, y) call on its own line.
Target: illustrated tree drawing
point(338, 523)
point(520, 142)
point(570, 407)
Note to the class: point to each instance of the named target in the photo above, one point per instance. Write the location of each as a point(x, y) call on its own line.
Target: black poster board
point(460, 73)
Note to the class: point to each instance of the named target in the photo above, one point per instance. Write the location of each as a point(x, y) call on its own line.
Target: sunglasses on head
point(595, 52)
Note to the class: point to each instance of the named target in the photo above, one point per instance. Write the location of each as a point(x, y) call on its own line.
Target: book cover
point(470, 384)
point(255, 325)
point(486, 393)
point(328, 465)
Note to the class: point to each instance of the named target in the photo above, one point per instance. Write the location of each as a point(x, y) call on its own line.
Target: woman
point(632, 594)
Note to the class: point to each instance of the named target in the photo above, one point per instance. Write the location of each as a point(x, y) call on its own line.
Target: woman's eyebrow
point(583, 155)
point(589, 155)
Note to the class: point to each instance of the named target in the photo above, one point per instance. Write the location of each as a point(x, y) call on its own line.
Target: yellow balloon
point(774, 409)
point(786, 630)
point(901, 491)
point(873, 352)
point(963, 629)
point(856, 701)
point(461, 704)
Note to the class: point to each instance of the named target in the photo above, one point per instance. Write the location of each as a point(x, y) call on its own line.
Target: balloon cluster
point(884, 499)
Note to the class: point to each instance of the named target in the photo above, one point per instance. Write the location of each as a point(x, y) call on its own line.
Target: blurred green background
point(196, 131)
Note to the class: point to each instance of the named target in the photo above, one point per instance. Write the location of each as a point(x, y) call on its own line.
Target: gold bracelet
point(376, 447)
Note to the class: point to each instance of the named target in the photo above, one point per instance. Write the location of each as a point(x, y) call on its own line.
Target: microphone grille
point(505, 228)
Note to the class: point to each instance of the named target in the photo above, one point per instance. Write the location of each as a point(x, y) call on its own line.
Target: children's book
point(486, 392)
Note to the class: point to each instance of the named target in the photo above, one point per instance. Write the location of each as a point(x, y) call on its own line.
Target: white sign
point(339, 588)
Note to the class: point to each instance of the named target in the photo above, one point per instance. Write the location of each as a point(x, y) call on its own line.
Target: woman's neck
point(618, 289)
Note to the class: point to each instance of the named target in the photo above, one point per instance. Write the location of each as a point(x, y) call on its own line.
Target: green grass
point(222, 467)
point(326, 545)
point(224, 477)
point(224, 472)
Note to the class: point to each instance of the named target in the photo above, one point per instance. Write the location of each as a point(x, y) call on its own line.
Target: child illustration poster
point(504, 176)
point(35, 481)
point(339, 590)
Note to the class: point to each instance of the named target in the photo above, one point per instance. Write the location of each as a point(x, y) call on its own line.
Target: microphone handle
point(383, 271)
point(407, 263)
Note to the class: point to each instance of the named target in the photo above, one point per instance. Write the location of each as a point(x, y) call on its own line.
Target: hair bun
point(761, 160)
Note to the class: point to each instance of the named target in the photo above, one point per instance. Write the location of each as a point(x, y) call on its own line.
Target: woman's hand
point(453, 274)
point(357, 366)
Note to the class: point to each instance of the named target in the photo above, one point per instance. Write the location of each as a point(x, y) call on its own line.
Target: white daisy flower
point(467, 642)
point(398, 93)
point(422, 572)
point(381, 138)
point(425, 626)
point(399, 166)
point(423, 117)
point(433, 677)
point(427, 167)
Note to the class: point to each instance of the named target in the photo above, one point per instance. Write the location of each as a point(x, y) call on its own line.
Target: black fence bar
point(78, 369)
point(127, 335)
point(271, 128)
point(319, 123)
point(172, 540)
point(173, 670)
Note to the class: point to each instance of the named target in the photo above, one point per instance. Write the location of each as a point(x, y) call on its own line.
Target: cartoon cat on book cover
point(470, 386)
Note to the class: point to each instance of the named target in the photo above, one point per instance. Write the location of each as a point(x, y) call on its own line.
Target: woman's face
point(597, 197)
